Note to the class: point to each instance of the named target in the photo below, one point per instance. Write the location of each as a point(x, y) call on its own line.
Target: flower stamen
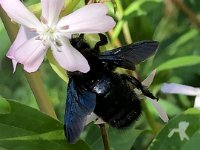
point(43, 20)
point(32, 30)
point(65, 27)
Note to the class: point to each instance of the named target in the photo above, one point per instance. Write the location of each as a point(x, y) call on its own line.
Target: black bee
point(106, 93)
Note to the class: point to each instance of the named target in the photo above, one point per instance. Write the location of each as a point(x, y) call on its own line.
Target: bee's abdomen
point(126, 116)
point(120, 106)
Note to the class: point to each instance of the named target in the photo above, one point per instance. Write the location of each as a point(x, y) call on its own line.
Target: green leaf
point(27, 128)
point(118, 139)
point(183, 39)
point(70, 6)
point(179, 62)
point(123, 138)
point(170, 138)
point(138, 7)
point(4, 106)
point(5, 40)
point(1, 148)
point(194, 142)
point(117, 29)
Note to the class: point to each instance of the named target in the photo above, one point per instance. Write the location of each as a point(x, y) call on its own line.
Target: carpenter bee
point(101, 90)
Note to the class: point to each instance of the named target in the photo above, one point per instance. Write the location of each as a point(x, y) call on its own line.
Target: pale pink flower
point(36, 37)
point(174, 88)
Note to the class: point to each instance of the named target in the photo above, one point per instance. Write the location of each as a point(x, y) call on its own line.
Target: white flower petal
point(197, 102)
point(69, 58)
point(88, 19)
point(20, 39)
point(91, 118)
point(148, 81)
point(179, 89)
point(20, 14)
point(51, 10)
point(31, 54)
point(23, 35)
point(36, 61)
point(99, 121)
point(161, 112)
point(94, 118)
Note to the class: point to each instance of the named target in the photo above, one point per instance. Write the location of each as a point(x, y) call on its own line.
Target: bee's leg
point(81, 36)
point(103, 41)
point(139, 85)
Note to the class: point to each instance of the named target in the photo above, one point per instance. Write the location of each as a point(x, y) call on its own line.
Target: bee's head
point(80, 44)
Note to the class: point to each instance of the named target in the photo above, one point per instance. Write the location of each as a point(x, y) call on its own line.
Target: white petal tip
point(99, 121)
point(165, 118)
point(197, 102)
point(166, 88)
point(147, 82)
point(84, 68)
point(161, 112)
point(14, 65)
point(14, 62)
point(175, 88)
point(81, 68)
point(91, 118)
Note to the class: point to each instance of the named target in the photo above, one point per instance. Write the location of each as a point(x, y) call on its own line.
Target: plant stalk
point(42, 99)
point(34, 79)
point(104, 135)
point(150, 119)
point(192, 17)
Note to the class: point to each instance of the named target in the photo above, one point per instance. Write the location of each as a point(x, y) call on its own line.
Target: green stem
point(127, 34)
point(43, 101)
point(69, 7)
point(149, 117)
point(104, 135)
point(190, 14)
point(33, 79)
point(128, 40)
point(10, 27)
point(125, 27)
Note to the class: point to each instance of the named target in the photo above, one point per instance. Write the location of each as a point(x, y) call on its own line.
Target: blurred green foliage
point(177, 60)
point(32, 130)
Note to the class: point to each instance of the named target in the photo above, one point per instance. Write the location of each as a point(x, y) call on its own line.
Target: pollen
point(49, 35)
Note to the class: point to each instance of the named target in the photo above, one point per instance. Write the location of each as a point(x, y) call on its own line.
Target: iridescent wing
point(130, 55)
point(79, 104)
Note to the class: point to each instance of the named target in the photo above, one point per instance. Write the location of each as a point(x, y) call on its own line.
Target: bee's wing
point(79, 104)
point(130, 55)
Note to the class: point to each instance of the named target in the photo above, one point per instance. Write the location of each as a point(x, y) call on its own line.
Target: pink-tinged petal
point(197, 102)
point(69, 58)
point(20, 39)
point(36, 61)
point(51, 10)
point(88, 19)
point(161, 112)
point(23, 35)
point(31, 54)
point(175, 88)
point(20, 14)
point(147, 82)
